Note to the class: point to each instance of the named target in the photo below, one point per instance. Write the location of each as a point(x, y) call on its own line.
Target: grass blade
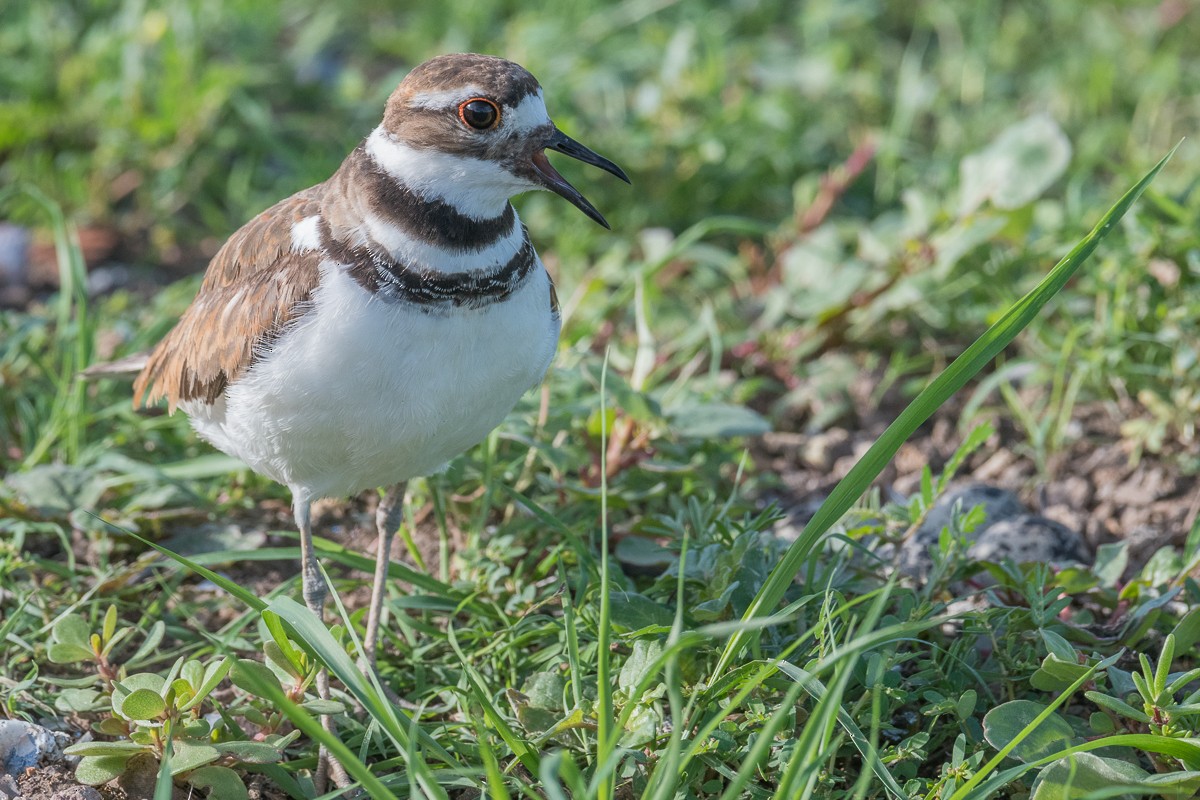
point(955, 376)
point(313, 729)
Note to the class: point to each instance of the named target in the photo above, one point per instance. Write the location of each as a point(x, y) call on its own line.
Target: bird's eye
point(479, 114)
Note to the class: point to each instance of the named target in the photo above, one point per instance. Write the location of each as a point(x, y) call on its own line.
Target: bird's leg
point(387, 520)
point(314, 590)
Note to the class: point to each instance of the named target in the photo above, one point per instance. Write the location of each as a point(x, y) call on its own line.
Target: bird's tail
point(126, 368)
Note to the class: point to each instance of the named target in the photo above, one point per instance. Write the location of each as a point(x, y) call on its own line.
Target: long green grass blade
point(955, 376)
point(606, 731)
point(521, 749)
point(313, 729)
point(965, 791)
point(220, 580)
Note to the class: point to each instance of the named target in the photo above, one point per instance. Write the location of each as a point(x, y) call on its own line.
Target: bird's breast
point(364, 391)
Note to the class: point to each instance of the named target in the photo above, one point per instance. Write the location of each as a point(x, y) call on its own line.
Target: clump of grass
point(723, 678)
point(538, 660)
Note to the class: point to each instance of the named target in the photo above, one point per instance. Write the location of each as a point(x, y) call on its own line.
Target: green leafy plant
point(1161, 713)
point(174, 719)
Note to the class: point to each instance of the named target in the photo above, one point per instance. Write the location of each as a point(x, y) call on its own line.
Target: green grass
point(736, 277)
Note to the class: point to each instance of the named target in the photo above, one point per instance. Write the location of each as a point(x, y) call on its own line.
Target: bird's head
point(474, 131)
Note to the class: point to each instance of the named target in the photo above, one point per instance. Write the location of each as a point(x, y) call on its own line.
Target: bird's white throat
point(475, 187)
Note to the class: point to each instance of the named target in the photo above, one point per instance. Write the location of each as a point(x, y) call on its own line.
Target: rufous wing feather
point(256, 285)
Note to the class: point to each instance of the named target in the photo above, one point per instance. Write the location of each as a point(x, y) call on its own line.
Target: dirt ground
point(1095, 485)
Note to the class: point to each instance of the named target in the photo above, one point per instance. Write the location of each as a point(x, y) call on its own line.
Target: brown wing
point(255, 286)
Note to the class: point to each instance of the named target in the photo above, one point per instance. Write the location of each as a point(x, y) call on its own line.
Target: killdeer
point(367, 330)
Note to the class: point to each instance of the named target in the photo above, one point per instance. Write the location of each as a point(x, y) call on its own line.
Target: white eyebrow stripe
point(445, 98)
point(528, 115)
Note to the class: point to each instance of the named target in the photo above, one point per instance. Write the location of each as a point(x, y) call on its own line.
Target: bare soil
point(1095, 484)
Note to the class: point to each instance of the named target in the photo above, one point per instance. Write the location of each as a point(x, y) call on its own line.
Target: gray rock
point(9, 789)
point(998, 504)
point(14, 254)
point(1029, 538)
point(24, 745)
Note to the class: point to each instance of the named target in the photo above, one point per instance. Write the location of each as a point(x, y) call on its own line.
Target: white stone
point(24, 745)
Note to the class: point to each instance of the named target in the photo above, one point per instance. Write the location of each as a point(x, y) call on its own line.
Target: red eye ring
point(479, 113)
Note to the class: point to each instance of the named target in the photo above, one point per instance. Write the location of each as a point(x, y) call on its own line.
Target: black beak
point(558, 184)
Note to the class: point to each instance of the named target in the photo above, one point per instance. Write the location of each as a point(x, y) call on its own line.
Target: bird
point(367, 330)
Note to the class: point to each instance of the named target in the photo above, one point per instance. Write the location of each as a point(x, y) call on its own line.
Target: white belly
point(364, 393)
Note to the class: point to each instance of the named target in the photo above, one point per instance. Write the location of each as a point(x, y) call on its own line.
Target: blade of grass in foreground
point(220, 580)
point(606, 743)
point(965, 367)
point(312, 728)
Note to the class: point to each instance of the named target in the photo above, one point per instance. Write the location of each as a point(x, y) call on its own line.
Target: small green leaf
point(276, 656)
point(1163, 670)
point(250, 752)
point(222, 783)
point(714, 609)
point(322, 708)
point(1058, 646)
point(545, 690)
point(1101, 723)
point(632, 612)
point(1117, 706)
point(256, 671)
point(143, 704)
point(73, 629)
point(110, 623)
point(192, 671)
point(1055, 674)
point(289, 652)
point(1020, 164)
point(189, 756)
point(182, 691)
point(77, 700)
point(198, 729)
point(532, 719)
point(213, 675)
point(58, 488)
point(1076, 776)
point(110, 726)
point(965, 706)
point(98, 770)
point(716, 421)
point(1003, 723)
point(68, 653)
point(124, 749)
point(1187, 632)
point(153, 637)
point(640, 661)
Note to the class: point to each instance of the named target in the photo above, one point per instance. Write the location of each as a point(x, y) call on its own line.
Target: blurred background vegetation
point(165, 125)
point(831, 199)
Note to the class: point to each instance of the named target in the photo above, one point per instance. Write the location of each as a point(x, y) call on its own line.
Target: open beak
point(558, 184)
